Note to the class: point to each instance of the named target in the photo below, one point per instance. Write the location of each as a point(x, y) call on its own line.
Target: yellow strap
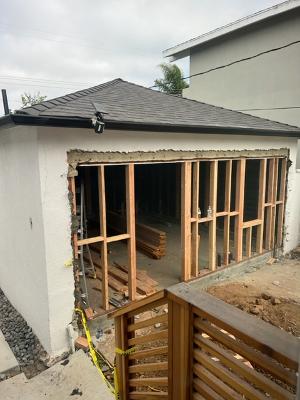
point(93, 351)
point(125, 352)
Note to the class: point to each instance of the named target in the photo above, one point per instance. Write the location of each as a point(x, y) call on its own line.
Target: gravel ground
point(22, 341)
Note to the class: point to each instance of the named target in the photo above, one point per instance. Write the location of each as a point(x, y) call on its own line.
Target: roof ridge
point(82, 93)
point(210, 105)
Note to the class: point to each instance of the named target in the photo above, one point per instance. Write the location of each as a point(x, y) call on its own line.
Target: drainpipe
point(5, 102)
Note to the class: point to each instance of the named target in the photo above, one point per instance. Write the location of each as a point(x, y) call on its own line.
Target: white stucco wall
point(44, 292)
point(23, 275)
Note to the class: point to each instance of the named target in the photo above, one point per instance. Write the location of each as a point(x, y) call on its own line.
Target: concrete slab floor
point(8, 362)
point(79, 376)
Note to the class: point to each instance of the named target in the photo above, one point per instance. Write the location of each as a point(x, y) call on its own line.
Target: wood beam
point(195, 233)
point(248, 241)
point(239, 201)
point(226, 247)
point(269, 211)
point(131, 243)
point(213, 186)
point(186, 178)
point(261, 202)
point(274, 198)
point(103, 233)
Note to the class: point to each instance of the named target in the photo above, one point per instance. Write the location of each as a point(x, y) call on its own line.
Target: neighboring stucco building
point(149, 154)
point(267, 85)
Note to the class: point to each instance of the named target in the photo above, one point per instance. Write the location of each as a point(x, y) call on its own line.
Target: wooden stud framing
point(130, 215)
point(213, 182)
point(281, 206)
point(261, 204)
point(195, 233)
point(268, 204)
point(186, 178)
point(104, 261)
point(227, 211)
point(248, 241)
point(239, 201)
point(274, 198)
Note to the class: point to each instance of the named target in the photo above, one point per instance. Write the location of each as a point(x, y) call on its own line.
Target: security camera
point(98, 122)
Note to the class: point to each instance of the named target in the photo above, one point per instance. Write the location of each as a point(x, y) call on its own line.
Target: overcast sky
point(60, 46)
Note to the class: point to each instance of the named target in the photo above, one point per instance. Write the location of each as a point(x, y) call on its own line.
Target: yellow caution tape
point(93, 354)
point(125, 352)
point(68, 263)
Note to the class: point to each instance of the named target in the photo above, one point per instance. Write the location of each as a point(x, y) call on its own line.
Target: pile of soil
point(278, 311)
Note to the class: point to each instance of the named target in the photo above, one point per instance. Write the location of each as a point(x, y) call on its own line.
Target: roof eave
point(75, 122)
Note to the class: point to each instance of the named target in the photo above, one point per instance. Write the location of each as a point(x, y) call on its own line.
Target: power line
point(42, 86)
point(239, 61)
point(55, 40)
point(42, 31)
point(42, 80)
point(270, 109)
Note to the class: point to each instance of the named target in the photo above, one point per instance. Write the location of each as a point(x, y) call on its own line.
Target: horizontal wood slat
point(138, 355)
point(252, 330)
point(205, 390)
point(148, 322)
point(239, 367)
point(138, 306)
point(215, 383)
point(254, 222)
point(259, 359)
point(148, 338)
point(147, 395)
point(228, 377)
point(157, 381)
point(95, 239)
point(117, 238)
point(196, 396)
point(146, 367)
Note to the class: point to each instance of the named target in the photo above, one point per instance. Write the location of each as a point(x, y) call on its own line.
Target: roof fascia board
point(148, 127)
point(183, 49)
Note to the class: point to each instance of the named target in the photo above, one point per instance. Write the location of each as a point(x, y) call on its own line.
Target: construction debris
point(118, 276)
point(82, 343)
point(150, 241)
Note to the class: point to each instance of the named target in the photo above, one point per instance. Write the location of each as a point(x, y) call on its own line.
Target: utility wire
point(76, 37)
point(40, 80)
point(270, 109)
point(238, 61)
point(55, 40)
point(42, 86)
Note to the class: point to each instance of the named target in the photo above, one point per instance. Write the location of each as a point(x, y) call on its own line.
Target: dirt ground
point(271, 292)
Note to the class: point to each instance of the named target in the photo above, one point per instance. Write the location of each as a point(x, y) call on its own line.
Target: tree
point(32, 99)
point(172, 82)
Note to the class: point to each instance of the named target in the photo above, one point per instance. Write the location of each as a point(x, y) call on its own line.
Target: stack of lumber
point(150, 241)
point(118, 276)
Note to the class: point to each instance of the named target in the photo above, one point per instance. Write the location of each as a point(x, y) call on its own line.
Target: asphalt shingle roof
point(125, 102)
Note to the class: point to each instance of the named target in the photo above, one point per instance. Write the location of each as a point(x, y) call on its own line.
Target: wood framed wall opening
point(221, 210)
point(231, 210)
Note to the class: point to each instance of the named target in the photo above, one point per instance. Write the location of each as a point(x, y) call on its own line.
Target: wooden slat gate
point(189, 345)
